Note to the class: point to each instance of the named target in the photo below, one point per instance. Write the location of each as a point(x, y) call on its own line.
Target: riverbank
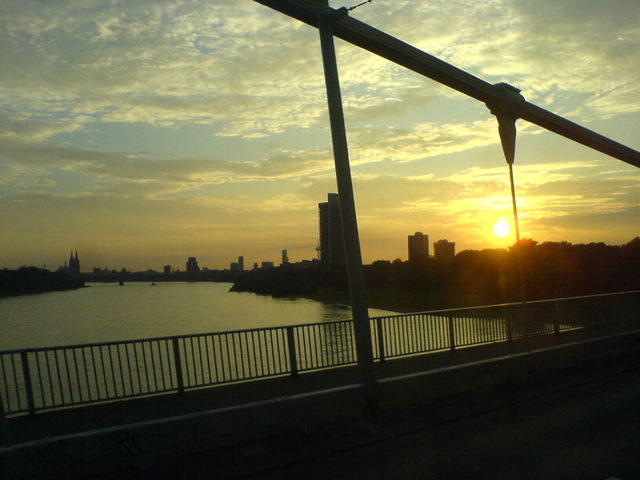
point(486, 277)
point(31, 280)
point(394, 300)
point(329, 288)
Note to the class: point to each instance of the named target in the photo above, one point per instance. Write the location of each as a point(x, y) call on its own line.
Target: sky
point(140, 133)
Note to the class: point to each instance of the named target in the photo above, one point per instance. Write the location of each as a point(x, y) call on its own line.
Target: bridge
point(92, 407)
point(81, 409)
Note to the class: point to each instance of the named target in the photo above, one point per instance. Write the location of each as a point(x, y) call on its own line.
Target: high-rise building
point(331, 237)
point(285, 257)
point(166, 269)
point(267, 265)
point(192, 265)
point(241, 263)
point(418, 247)
point(444, 250)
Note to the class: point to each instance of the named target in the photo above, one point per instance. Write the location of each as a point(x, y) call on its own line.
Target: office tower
point(192, 265)
point(418, 247)
point(444, 251)
point(166, 269)
point(285, 257)
point(241, 263)
point(331, 237)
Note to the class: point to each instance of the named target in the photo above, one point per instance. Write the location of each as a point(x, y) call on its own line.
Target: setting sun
point(501, 228)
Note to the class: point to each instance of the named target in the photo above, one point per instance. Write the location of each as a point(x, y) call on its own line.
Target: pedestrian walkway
point(75, 420)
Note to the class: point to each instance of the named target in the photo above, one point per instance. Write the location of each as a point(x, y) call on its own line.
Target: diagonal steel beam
point(397, 51)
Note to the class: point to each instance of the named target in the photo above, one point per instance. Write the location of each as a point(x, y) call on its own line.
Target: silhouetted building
point(192, 265)
point(285, 257)
point(331, 237)
point(74, 265)
point(418, 247)
point(166, 269)
point(267, 265)
point(234, 267)
point(241, 263)
point(444, 251)
point(255, 265)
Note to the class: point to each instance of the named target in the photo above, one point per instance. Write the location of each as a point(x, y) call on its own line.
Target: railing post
point(380, 334)
point(178, 365)
point(293, 360)
point(452, 335)
point(556, 317)
point(508, 321)
point(5, 439)
point(27, 383)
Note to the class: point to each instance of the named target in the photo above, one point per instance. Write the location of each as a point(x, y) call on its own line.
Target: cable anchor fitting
point(509, 95)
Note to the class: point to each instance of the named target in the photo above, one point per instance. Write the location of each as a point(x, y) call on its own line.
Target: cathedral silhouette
point(74, 263)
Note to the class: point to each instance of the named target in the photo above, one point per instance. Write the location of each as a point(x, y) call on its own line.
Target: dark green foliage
point(549, 270)
point(27, 280)
point(286, 281)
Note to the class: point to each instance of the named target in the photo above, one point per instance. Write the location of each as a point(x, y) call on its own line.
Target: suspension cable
point(507, 131)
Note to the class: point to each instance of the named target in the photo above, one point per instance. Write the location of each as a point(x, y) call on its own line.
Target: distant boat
point(153, 284)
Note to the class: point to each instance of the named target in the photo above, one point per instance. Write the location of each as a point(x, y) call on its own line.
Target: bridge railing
point(39, 379)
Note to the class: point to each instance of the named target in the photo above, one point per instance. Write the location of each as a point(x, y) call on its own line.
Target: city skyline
point(443, 250)
point(147, 133)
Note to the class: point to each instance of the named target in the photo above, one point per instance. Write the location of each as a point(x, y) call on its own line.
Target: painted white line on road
point(178, 418)
point(502, 358)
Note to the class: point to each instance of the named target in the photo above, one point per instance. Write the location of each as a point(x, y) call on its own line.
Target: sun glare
point(501, 228)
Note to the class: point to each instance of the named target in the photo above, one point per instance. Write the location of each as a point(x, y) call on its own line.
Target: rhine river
point(105, 312)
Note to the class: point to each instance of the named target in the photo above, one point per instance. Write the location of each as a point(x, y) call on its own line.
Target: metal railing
point(32, 380)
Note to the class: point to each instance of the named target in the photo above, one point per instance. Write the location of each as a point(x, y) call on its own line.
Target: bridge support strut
point(353, 255)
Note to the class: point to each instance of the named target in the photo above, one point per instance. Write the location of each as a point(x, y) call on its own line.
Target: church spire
point(74, 262)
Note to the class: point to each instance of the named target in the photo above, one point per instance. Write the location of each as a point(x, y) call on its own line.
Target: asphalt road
point(535, 430)
point(587, 432)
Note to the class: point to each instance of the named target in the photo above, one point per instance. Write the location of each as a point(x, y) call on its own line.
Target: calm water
point(107, 312)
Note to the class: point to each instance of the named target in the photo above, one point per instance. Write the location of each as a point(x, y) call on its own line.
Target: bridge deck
point(75, 420)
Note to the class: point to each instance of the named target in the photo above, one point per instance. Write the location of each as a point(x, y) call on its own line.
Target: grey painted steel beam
point(397, 51)
point(353, 256)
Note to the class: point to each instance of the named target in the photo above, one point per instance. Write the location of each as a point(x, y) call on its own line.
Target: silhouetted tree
point(550, 269)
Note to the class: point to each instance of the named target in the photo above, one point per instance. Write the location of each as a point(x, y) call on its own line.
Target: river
point(105, 312)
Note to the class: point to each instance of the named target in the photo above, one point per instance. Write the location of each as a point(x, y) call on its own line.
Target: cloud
point(543, 46)
point(166, 63)
point(615, 227)
point(589, 188)
point(251, 72)
point(531, 174)
point(251, 80)
point(29, 127)
point(188, 172)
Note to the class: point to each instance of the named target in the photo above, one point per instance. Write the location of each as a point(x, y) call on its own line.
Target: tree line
point(27, 280)
point(474, 277)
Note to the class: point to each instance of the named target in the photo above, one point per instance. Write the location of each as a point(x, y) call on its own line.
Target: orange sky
point(146, 132)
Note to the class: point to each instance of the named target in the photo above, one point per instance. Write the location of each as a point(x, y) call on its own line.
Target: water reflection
point(108, 312)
